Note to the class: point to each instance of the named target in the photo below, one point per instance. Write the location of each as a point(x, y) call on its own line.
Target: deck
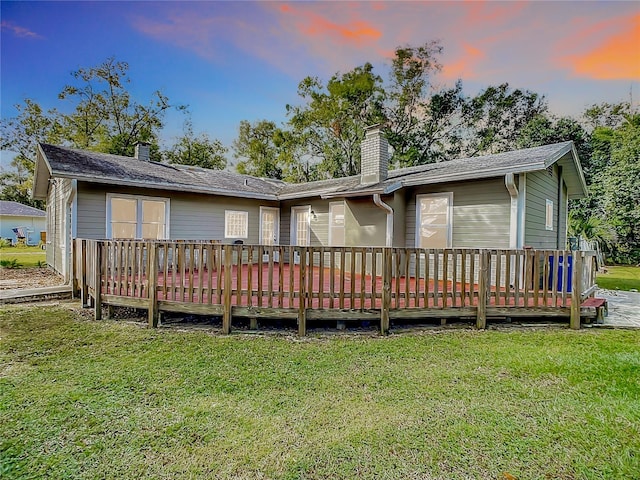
point(342, 283)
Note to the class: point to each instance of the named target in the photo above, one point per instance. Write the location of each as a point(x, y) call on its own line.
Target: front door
point(300, 228)
point(270, 228)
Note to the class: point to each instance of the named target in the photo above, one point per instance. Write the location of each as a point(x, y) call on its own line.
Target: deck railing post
point(97, 281)
point(387, 271)
point(483, 281)
point(576, 294)
point(226, 314)
point(302, 300)
point(152, 276)
point(84, 287)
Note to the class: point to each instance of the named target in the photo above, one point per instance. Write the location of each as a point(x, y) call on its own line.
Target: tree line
point(423, 122)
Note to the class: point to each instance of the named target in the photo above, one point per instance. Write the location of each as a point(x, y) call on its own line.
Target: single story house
point(507, 200)
point(27, 221)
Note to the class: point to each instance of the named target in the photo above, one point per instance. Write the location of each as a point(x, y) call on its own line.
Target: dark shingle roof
point(486, 166)
point(106, 168)
point(19, 210)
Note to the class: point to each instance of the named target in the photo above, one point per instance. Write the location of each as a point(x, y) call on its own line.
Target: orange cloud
point(466, 65)
point(316, 25)
point(18, 31)
point(481, 12)
point(617, 58)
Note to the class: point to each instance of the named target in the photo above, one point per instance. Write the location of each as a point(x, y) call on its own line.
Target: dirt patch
point(19, 278)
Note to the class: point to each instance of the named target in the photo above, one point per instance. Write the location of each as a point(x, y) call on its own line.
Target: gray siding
point(481, 213)
point(399, 205)
point(58, 231)
point(365, 223)
point(192, 216)
point(540, 187)
point(319, 224)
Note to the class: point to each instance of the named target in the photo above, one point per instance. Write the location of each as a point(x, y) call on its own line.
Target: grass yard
point(26, 257)
point(80, 399)
point(620, 278)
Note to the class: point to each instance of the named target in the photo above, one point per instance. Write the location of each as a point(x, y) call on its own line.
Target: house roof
point(473, 168)
point(54, 161)
point(16, 209)
point(64, 162)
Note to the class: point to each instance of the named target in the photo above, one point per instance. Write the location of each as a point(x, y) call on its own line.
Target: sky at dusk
point(230, 61)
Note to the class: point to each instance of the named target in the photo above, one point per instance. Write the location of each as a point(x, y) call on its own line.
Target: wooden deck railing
point(342, 283)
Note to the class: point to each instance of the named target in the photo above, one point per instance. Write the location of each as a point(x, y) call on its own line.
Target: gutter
point(166, 186)
point(379, 203)
point(514, 227)
point(363, 193)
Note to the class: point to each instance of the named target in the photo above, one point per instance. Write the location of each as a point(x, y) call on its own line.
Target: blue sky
point(230, 61)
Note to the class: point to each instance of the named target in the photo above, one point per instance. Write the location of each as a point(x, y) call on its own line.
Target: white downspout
point(514, 220)
point(379, 203)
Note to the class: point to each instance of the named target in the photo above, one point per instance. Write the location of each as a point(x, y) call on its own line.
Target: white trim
point(241, 213)
point(522, 208)
point(449, 196)
point(509, 180)
point(293, 234)
point(139, 198)
point(548, 215)
point(277, 226)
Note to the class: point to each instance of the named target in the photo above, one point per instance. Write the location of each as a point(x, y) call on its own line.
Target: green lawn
point(80, 399)
point(25, 256)
point(620, 278)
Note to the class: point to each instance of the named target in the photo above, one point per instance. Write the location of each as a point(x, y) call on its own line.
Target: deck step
point(35, 294)
point(601, 306)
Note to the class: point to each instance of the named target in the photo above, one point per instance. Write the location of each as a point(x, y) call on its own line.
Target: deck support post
point(302, 299)
point(152, 275)
point(97, 282)
point(576, 294)
point(386, 289)
point(228, 272)
point(84, 286)
point(483, 281)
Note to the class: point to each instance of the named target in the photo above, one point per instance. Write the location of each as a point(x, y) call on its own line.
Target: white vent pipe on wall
point(379, 203)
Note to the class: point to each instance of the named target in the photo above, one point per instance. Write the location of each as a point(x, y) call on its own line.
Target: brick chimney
point(142, 151)
point(374, 156)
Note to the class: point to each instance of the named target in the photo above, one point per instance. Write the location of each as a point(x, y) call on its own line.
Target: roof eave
point(454, 177)
point(381, 190)
point(167, 186)
point(583, 182)
point(41, 179)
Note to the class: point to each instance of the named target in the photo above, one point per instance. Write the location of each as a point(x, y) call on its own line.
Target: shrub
point(10, 263)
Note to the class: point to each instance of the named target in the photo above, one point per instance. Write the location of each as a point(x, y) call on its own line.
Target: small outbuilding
point(21, 223)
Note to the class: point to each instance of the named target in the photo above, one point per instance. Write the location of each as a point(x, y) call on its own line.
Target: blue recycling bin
point(560, 265)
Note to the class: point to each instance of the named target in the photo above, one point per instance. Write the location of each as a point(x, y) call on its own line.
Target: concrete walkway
point(624, 308)
point(20, 295)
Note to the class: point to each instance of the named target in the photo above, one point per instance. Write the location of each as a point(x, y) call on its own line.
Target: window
point(434, 220)
point(336, 224)
point(236, 224)
point(137, 217)
point(548, 224)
